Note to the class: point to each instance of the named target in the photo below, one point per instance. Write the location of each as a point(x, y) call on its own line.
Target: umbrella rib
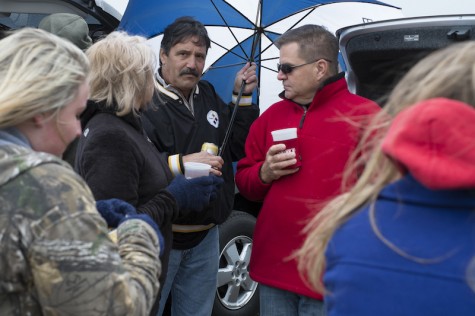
point(300, 20)
point(257, 34)
point(243, 83)
point(272, 43)
point(227, 66)
point(267, 47)
point(270, 58)
point(263, 50)
point(229, 28)
point(268, 68)
point(228, 50)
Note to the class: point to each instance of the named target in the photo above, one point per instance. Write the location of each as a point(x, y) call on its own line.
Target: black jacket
point(175, 130)
point(117, 160)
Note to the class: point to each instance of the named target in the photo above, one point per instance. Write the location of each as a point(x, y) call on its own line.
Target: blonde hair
point(39, 73)
point(122, 68)
point(450, 73)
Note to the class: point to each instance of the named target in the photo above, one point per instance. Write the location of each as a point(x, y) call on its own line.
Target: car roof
point(116, 8)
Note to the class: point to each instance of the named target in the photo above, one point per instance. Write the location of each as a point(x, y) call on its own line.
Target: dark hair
point(180, 30)
point(314, 42)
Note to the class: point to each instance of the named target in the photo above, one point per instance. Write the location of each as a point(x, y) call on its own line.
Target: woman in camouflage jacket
point(55, 254)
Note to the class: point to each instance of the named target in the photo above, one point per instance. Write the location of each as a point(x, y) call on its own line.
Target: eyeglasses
point(287, 68)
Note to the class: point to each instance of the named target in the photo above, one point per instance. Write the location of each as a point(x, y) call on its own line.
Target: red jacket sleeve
point(247, 175)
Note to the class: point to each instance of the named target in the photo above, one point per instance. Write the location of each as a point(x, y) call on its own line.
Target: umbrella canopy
point(241, 28)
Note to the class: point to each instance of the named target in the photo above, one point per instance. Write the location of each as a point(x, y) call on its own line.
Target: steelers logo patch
point(213, 118)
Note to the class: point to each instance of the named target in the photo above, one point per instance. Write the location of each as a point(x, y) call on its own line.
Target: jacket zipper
point(302, 119)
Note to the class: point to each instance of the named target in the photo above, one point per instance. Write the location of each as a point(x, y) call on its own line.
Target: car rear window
point(20, 20)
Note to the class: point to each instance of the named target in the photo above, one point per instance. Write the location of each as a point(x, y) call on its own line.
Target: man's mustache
point(189, 71)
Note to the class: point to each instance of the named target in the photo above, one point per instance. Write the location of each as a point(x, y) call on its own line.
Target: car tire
point(236, 293)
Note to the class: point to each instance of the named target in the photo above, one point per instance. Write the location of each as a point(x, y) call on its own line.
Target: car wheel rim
point(235, 287)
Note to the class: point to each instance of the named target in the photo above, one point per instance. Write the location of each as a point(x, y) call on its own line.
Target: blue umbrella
point(245, 30)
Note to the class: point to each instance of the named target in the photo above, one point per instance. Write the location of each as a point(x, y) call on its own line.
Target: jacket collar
point(12, 135)
point(93, 108)
point(169, 90)
point(328, 86)
point(409, 190)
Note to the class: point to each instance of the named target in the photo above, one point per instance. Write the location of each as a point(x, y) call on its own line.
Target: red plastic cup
point(288, 137)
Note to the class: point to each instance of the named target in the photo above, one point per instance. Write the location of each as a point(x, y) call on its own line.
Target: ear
point(321, 69)
point(163, 56)
point(38, 120)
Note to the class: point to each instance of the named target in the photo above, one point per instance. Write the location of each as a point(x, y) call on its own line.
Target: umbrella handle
point(231, 121)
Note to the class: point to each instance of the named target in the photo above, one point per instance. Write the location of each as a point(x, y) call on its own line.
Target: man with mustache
point(187, 112)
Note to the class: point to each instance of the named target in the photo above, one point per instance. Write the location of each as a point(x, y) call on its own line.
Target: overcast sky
point(433, 7)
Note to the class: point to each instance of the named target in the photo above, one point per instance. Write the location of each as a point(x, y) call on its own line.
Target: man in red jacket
point(328, 119)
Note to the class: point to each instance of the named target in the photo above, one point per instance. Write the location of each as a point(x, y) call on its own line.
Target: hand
point(248, 74)
point(195, 194)
point(151, 222)
point(114, 210)
point(276, 163)
point(216, 162)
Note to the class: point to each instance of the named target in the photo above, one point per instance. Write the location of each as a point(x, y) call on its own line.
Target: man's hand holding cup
point(288, 137)
point(282, 158)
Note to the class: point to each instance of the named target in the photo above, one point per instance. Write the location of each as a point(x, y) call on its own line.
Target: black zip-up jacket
point(175, 131)
point(117, 160)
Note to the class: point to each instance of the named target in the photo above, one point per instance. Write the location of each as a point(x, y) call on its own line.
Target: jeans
point(276, 302)
point(192, 277)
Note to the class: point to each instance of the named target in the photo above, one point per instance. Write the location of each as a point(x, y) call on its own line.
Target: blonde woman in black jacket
point(114, 155)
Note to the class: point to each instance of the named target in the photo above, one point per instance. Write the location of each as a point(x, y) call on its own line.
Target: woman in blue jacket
point(402, 240)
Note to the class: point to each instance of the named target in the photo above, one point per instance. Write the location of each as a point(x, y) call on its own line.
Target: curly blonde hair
point(122, 68)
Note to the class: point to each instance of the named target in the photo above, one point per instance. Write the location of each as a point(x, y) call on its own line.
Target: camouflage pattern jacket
point(55, 254)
